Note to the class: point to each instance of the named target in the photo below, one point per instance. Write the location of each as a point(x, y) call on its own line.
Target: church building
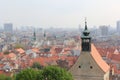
point(90, 65)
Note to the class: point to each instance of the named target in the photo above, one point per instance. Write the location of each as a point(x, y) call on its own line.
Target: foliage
point(54, 73)
point(47, 73)
point(18, 46)
point(37, 65)
point(6, 52)
point(4, 77)
point(63, 64)
point(27, 74)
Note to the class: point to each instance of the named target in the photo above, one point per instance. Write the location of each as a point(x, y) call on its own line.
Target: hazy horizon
point(59, 13)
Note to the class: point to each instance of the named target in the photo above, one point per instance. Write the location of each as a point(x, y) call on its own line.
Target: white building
point(103, 30)
point(118, 26)
point(8, 27)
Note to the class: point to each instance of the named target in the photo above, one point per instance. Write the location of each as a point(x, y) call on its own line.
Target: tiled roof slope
point(96, 56)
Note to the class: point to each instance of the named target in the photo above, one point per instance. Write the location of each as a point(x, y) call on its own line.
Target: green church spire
point(86, 32)
point(34, 35)
point(85, 24)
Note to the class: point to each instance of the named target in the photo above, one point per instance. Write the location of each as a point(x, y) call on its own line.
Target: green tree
point(47, 73)
point(18, 45)
point(27, 74)
point(6, 52)
point(37, 65)
point(4, 77)
point(54, 73)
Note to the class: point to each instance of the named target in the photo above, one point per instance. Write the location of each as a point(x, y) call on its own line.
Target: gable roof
point(11, 55)
point(104, 50)
point(115, 57)
point(35, 50)
point(98, 59)
point(20, 50)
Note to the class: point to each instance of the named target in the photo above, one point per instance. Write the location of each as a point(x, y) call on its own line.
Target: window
point(91, 67)
point(79, 66)
point(86, 40)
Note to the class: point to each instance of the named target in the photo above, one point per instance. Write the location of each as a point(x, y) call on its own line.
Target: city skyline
point(59, 13)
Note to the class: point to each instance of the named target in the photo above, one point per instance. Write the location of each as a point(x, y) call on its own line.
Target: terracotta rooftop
point(103, 51)
point(101, 63)
point(20, 50)
point(36, 50)
point(11, 55)
point(115, 57)
point(44, 60)
point(5, 73)
point(58, 50)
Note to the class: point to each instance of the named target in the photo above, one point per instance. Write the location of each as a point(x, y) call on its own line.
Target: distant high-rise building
point(80, 30)
point(118, 26)
point(8, 27)
point(103, 30)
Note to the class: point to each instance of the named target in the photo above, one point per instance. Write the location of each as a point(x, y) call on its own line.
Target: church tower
point(45, 36)
point(89, 65)
point(34, 35)
point(86, 39)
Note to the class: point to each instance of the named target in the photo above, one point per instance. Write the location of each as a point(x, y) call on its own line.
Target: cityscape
point(60, 40)
point(21, 48)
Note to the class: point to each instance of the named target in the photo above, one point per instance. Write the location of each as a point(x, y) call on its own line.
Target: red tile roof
point(11, 55)
point(115, 70)
point(36, 50)
point(66, 49)
point(5, 73)
point(103, 51)
point(115, 57)
point(58, 50)
point(96, 56)
point(44, 60)
point(20, 50)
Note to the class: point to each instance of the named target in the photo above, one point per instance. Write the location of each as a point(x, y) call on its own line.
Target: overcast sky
point(59, 13)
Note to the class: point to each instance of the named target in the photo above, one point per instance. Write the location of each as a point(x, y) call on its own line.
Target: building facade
point(103, 30)
point(8, 27)
point(118, 26)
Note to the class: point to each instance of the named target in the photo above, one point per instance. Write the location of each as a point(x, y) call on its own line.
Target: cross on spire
point(85, 23)
point(34, 35)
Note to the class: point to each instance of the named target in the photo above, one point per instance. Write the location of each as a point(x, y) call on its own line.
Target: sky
point(59, 13)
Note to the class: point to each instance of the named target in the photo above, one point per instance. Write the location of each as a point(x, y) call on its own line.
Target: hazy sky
point(59, 13)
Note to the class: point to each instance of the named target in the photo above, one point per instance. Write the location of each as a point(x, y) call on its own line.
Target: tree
point(63, 64)
point(37, 65)
point(27, 74)
point(6, 52)
point(54, 73)
point(4, 77)
point(18, 45)
point(47, 73)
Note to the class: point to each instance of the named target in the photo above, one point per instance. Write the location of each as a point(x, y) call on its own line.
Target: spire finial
point(44, 33)
point(34, 35)
point(85, 23)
